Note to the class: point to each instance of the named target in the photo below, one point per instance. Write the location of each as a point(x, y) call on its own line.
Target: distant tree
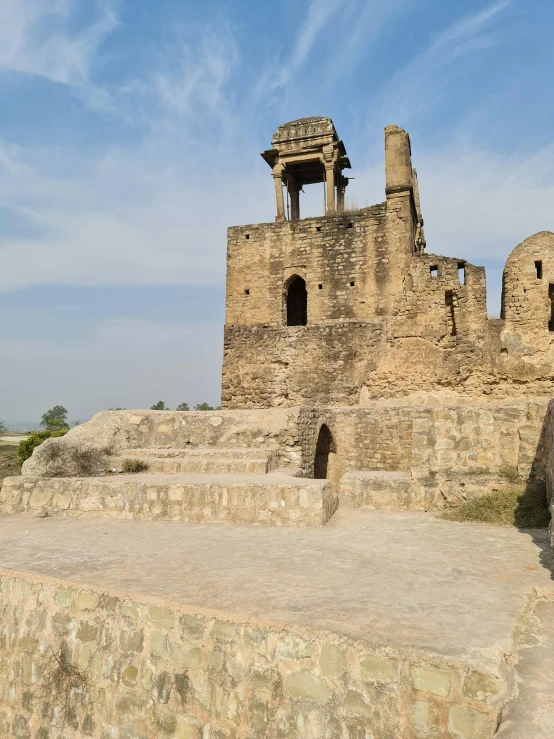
point(3, 425)
point(203, 407)
point(76, 423)
point(55, 419)
point(159, 406)
point(183, 407)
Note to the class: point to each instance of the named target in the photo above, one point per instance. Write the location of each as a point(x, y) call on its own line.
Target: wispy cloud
point(277, 74)
point(36, 38)
point(415, 87)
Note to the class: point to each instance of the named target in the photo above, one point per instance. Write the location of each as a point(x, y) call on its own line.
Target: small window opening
point(246, 236)
point(247, 291)
point(297, 302)
point(350, 225)
point(551, 298)
point(352, 284)
point(318, 228)
point(320, 286)
point(462, 273)
point(434, 270)
point(538, 270)
point(449, 302)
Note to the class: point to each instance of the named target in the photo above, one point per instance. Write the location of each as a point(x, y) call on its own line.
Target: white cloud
point(125, 220)
point(35, 39)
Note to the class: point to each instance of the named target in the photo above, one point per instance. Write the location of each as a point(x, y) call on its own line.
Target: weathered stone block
point(479, 686)
point(356, 705)
point(426, 721)
point(332, 660)
point(86, 601)
point(292, 647)
point(375, 668)
point(467, 723)
point(161, 616)
point(304, 685)
point(431, 679)
point(131, 640)
point(193, 625)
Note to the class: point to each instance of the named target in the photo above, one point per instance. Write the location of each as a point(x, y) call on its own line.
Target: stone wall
point(452, 452)
point(323, 364)
point(527, 305)
point(114, 432)
point(270, 500)
point(384, 319)
point(112, 666)
point(548, 437)
point(462, 452)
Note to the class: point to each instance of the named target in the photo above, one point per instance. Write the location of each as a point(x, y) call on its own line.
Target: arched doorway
point(325, 451)
point(297, 302)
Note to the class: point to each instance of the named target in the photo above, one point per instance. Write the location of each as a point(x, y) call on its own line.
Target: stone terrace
point(439, 601)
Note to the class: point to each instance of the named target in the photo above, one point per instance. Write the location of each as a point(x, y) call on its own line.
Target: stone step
point(276, 500)
point(377, 489)
point(202, 460)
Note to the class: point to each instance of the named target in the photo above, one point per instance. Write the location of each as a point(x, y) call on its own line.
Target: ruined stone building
point(150, 583)
point(350, 307)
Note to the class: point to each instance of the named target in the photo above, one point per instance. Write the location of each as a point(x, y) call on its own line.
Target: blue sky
point(130, 135)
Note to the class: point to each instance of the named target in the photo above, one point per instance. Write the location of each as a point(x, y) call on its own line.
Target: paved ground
point(531, 714)
point(391, 577)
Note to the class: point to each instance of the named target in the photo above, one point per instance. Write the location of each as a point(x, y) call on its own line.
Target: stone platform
point(392, 625)
point(274, 499)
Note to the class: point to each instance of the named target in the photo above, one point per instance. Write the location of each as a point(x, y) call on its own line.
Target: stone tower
point(348, 307)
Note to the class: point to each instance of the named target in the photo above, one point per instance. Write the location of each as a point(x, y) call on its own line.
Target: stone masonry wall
point(267, 500)
point(548, 437)
point(115, 432)
point(527, 307)
point(98, 664)
point(323, 364)
point(463, 452)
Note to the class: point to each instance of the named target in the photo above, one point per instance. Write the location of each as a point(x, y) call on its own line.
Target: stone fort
point(275, 568)
point(349, 308)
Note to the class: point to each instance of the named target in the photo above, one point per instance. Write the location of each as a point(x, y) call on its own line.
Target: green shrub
point(28, 446)
point(134, 465)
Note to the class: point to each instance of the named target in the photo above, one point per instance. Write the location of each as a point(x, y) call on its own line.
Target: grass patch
point(525, 508)
point(8, 462)
point(134, 465)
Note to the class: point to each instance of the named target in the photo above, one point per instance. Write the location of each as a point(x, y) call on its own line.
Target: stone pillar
point(278, 177)
point(398, 160)
point(330, 189)
point(294, 192)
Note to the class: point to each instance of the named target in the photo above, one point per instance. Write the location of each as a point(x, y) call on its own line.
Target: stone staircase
point(202, 460)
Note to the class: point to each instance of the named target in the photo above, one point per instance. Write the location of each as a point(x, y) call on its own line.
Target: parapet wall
point(104, 664)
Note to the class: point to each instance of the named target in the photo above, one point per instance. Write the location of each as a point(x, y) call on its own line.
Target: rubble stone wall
point(383, 320)
point(548, 437)
point(109, 666)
